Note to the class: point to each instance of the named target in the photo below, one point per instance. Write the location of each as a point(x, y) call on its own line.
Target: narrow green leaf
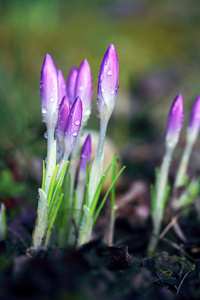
point(58, 186)
point(98, 191)
point(113, 178)
point(168, 188)
point(43, 175)
point(52, 184)
point(106, 195)
point(87, 184)
point(153, 197)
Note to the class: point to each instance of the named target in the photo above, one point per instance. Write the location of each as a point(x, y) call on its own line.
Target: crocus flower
point(71, 84)
point(72, 127)
point(49, 92)
point(194, 123)
point(62, 87)
point(63, 115)
point(83, 88)
point(108, 82)
point(175, 121)
point(85, 154)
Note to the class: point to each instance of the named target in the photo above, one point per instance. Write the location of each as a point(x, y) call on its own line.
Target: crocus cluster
point(66, 107)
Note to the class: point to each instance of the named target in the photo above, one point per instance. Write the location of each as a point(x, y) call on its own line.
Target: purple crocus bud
point(71, 84)
point(72, 127)
point(175, 121)
point(85, 154)
point(108, 83)
point(83, 88)
point(194, 123)
point(62, 87)
point(63, 115)
point(49, 91)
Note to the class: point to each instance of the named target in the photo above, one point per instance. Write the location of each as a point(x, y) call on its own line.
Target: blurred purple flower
point(49, 91)
point(72, 127)
point(71, 84)
point(194, 123)
point(85, 154)
point(83, 88)
point(108, 82)
point(63, 115)
point(62, 87)
point(175, 121)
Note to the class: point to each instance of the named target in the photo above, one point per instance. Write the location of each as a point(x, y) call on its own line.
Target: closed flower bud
point(71, 84)
point(83, 88)
point(62, 87)
point(194, 123)
point(85, 154)
point(63, 115)
point(72, 126)
point(108, 83)
point(175, 121)
point(49, 91)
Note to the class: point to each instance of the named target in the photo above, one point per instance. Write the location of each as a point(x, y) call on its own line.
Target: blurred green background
point(158, 46)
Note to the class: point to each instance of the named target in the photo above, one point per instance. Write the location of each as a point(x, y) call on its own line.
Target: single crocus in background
point(71, 84)
point(175, 121)
point(191, 137)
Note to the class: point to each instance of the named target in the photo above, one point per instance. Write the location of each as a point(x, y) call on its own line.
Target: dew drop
point(110, 72)
point(44, 110)
point(44, 119)
point(103, 91)
point(87, 113)
point(81, 88)
point(77, 122)
point(98, 115)
point(75, 133)
point(112, 92)
point(52, 99)
point(53, 88)
point(46, 135)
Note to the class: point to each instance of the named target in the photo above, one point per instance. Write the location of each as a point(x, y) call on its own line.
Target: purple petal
point(62, 87)
point(108, 81)
point(73, 125)
point(175, 121)
point(85, 153)
point(49, 90)
point(63, 115)
point(71, 84)
point(194, 122)
point(83, 88)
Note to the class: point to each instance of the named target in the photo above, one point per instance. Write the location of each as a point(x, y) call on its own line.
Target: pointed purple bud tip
point(49, 91)
point(71, 84)
point(72, 126)
point(85, 154)
point(63, 115)
point(194, 123)
point(62, 86)
point(83, 87)
point(175, 121)
point(108, 82)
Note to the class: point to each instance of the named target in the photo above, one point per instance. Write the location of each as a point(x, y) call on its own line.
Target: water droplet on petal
point(98, 115)
point(45, 135)
point(110, 72)
point(44, 110)
point(52, 99)
point(81, 88)
point(103, 91)
point(75, 133)
point(53, 88)
point(112, 92)
point(77, 122)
